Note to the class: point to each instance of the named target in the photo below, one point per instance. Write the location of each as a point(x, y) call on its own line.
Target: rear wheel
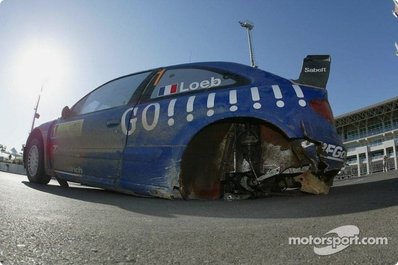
point(35, 162)
point(201, 167)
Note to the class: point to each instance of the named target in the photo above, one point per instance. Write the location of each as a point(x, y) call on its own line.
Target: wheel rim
point(33, 160)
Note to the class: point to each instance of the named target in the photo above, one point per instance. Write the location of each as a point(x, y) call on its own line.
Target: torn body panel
point(312, 184)
point(250, 159)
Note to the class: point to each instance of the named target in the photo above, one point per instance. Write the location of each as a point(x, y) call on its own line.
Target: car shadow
point(344, 199)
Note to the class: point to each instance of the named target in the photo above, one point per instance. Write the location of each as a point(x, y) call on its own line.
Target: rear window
point(176, 81)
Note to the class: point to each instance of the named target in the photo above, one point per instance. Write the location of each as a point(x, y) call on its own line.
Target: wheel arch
point(36, 133)
point(43, 132)
point(205, 147)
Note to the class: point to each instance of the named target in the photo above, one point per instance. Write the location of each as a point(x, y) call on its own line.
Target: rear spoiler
point(315, 71)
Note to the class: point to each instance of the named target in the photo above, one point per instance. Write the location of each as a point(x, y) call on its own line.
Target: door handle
point(112, 123)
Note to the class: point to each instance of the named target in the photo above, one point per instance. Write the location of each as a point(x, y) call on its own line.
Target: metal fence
point(374, 167)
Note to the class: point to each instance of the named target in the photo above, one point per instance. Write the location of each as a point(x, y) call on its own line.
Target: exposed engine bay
point(243, 160)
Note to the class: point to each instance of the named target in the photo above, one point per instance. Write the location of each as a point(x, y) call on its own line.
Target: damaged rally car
point(200, 130)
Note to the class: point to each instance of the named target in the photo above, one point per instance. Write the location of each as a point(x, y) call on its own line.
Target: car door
point(90, 142)
point(171, 107)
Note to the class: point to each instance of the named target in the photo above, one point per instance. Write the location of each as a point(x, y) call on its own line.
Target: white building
point(370, 134)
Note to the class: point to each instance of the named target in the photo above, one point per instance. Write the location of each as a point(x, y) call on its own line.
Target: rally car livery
point(201, 130)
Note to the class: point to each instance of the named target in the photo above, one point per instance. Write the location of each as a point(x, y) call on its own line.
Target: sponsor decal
point(149, 118)
point(76, 170)
point(334, 151)
point(167, 90)
point(68, 129)
point(183, 87)
point(149, 115)
point(212, 82)
point(154, 112)
point(315, 70)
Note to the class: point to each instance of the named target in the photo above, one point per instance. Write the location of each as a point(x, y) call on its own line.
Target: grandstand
point(371, 137)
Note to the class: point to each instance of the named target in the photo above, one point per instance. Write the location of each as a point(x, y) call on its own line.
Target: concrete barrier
point(12, 168)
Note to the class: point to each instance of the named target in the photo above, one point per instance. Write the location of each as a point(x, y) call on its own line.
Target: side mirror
point(66, 112)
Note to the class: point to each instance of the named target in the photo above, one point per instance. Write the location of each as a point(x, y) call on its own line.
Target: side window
point(176, 81)
point(113, 94)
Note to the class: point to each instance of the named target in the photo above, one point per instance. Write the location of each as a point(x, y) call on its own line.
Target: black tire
point(63, 183)
point(201, 170)
point(35, 162)
point(330, 181)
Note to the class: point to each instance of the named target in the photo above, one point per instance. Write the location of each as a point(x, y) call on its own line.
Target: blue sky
point(91, 42)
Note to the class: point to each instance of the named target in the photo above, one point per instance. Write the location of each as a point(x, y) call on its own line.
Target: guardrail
point(12, 168)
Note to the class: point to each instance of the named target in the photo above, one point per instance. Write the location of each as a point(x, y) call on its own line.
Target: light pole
point(395, 13)
point(396, 48)
point(249, 26)
point(37, 115)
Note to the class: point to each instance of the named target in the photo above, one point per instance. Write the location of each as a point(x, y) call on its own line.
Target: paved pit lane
point(83, 225)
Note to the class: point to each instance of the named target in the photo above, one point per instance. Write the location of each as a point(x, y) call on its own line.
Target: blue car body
point(139, 147)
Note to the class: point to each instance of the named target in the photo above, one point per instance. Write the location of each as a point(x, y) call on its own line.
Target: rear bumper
point(323, 147)
point(324, 157)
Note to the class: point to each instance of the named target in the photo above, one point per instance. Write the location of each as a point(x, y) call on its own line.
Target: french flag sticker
point(167, 90)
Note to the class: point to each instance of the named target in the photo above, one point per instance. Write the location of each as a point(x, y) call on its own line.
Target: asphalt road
point(82, 225)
